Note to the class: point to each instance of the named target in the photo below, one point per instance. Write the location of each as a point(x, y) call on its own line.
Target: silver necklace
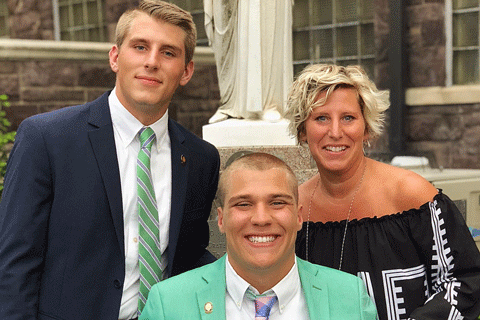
point(346, 222)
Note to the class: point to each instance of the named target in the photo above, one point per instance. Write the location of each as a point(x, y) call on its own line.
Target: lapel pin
point(183, 160)
point(208, 307)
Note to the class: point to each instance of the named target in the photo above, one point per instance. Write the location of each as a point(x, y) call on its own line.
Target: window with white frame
point(195, 7)
point(333, 31)
point(4, 33)
point(463, 47)
point(82, 20)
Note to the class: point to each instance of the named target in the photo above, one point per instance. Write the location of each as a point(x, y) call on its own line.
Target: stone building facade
point(442, 120)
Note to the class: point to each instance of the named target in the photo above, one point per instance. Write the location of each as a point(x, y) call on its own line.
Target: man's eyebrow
point(282, 195)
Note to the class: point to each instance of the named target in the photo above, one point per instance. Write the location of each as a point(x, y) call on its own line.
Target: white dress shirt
point(127, 142)
point(291, 302)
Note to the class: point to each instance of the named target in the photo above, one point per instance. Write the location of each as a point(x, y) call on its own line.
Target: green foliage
point(5, 138)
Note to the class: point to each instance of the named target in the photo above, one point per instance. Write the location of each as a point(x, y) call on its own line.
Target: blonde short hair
point(256, 161)
point(319, 78)
point(164, 11)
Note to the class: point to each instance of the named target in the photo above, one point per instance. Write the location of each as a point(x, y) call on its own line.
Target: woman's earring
point(366, 144)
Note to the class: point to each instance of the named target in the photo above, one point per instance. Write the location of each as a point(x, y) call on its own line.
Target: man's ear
point(220, 219)
point(113, 57)
point(300, 217)
point(187, 73)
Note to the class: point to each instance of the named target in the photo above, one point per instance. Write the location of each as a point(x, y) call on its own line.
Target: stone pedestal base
point(241, 132)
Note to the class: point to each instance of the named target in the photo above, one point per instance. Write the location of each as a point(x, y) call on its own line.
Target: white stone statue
point(252, 43)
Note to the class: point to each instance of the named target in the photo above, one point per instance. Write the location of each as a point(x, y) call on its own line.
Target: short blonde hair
point(256, 161)
point(164, 11)
point(319, 78)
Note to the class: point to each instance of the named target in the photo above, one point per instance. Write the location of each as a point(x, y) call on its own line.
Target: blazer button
point(117, 284)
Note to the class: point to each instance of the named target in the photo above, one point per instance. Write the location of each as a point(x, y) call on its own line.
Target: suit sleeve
point(453, 264)
point(153, 308)
point(24, 213)
point(208, 257)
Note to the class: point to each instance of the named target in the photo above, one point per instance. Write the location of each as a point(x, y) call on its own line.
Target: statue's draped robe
point(252, 43)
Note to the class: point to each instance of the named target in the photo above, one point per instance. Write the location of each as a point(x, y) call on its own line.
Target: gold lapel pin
point(208, 307)
point(183, 160)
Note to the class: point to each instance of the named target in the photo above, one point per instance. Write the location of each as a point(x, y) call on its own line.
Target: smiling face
point(150, 65)
point(335, 132)
point(260, 218)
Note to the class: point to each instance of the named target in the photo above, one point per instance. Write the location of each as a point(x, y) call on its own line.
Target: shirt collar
point(128, 126)
point(285, 290)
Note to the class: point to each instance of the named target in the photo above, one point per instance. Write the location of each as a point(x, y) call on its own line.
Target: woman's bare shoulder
point(409, 189)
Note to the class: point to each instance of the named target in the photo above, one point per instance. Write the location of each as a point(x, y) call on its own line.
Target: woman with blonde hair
point(390, 226)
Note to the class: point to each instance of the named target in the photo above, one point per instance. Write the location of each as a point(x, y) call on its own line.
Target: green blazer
point(330, 294)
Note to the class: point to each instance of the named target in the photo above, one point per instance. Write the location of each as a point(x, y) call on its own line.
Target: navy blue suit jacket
point(61, 218)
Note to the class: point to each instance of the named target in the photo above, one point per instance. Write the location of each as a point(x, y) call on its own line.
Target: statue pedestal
point(242, 132)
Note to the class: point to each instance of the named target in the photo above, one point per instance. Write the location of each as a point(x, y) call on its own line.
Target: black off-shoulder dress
point(418, 264)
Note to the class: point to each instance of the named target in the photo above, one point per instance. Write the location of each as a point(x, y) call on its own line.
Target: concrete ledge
point(19, 49)
point(426, 96)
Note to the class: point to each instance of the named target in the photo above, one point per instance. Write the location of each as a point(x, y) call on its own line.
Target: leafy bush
point(6, 138)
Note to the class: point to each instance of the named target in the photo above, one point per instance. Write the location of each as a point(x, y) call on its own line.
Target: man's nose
point(261, 215)
point(152, 60)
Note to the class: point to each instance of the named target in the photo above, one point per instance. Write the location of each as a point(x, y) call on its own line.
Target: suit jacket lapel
point(180, 167)
point(103, 144)
point(316, 293)
point(214, 292)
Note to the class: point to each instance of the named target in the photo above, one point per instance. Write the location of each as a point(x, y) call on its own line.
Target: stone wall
point(30, 19)
point(451, 132)
point(40, 76)
point(424, 42)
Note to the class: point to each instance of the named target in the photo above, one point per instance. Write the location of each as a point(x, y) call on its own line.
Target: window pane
point(94, 35)
point(322, 44)
point(347, 62)
point(465, 29)
point(464, 4)
point(181, 3)
point(368, 41)
point(64, 21)
point(346, 10)
point(92, 11)
point(298, 68)
point(465, 67)
point(347, 41)
point(79, 35)
point(340, 31)
point(196, 5)
point(369, 65)
point(300, 13)
point(301, 46)
point(322, 12)
point(82, 20)
point(199, 20)
point(78, 15)
point(4, 33)
point(366, 9)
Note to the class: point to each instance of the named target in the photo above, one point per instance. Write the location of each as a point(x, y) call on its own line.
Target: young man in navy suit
point(69, 217)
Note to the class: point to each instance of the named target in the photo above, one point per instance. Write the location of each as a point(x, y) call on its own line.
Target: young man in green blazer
point(260, 275)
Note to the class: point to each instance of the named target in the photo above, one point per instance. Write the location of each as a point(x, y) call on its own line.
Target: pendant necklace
point(346, 222)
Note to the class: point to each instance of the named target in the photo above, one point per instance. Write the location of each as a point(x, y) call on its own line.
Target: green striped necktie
point(149, 244)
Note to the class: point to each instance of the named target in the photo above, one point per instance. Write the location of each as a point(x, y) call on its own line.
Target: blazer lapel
point(211, 299)
point(103, 145)
point(180, 167)
point(316, 294)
